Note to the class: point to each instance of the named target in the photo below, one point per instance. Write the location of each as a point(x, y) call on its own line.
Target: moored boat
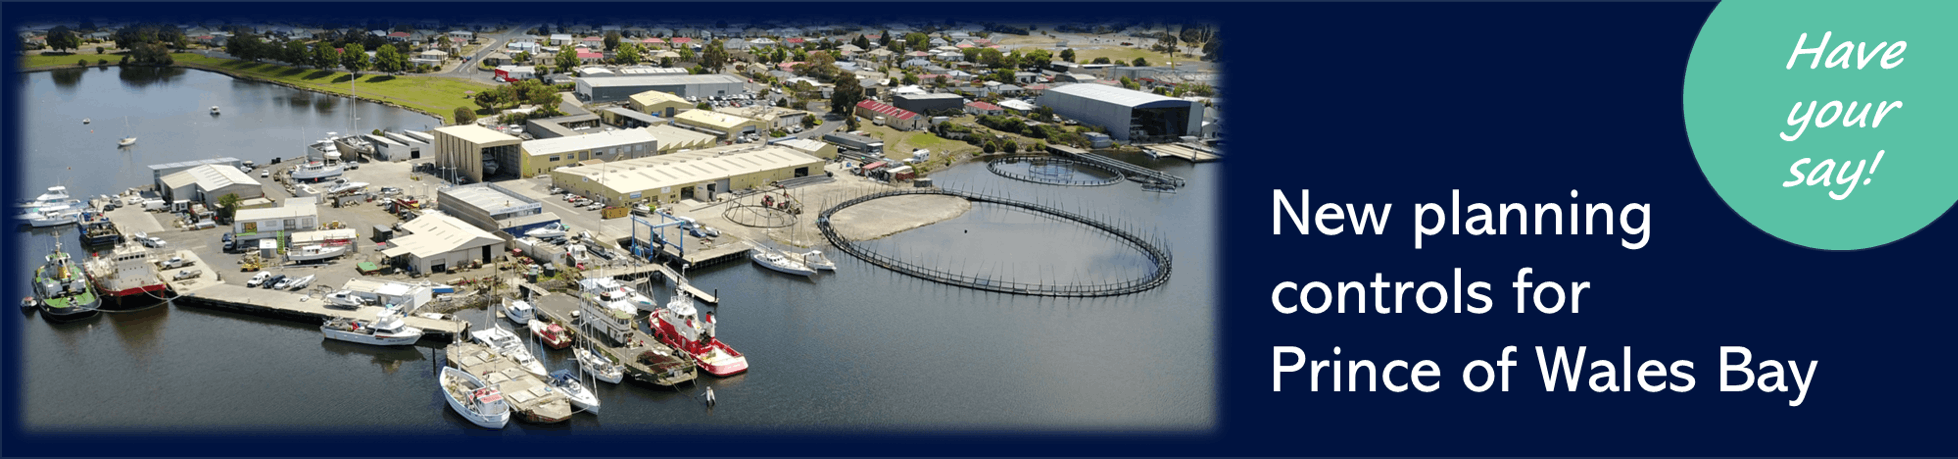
point(775, 260)
point(519, 311)
point(101, 233)
point(552, 335)
point(815, 259)
point(387, 329)
point(567, 382)
point(127, 274)
point(62, 288)
point(677, 326)
point(470, 397)
point(598, 366)
point(510, 346)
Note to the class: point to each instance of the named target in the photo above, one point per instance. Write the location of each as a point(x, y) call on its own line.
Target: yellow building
point(697, 175)
point(541, 155)
point(813, 147)
point(673, 140)
point(722, 125)
point(768, 117)
point(659, 103)
point(467, 150)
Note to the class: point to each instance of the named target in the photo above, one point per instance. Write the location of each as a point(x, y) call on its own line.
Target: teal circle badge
point(1828, 124)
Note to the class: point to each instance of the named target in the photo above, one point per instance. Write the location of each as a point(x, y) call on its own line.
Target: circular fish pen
point(1050, 170)
point(1156, 255)
point(758, 216)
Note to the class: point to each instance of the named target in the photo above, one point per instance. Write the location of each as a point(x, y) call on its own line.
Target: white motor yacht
point(387, 329)
point(598, 366)
point(509, 345)
point(775, 260)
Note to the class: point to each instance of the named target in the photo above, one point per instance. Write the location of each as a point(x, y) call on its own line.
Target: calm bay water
point(861, 349)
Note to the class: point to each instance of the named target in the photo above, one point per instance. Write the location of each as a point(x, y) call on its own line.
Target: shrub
point(81, 62)
point(464, 116)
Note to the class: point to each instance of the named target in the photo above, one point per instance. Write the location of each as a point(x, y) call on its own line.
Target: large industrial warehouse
point(609, 89)
point(698, 174)
point(1127, 114)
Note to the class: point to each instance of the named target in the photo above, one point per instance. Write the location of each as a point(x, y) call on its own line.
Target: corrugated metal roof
point(711, 119)
point(290, 210)
point(209, 177)
point(437, 234)
point(887, 109)
point(477, 134)
point(652, 80)
point(602, 139)
point(673, 138)
point(1111, 94)
point(655, 172)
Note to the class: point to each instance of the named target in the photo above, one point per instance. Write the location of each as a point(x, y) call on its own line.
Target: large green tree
point(325, 56)
point(387, 60)
point(612, 41)
point(60, 38)
point(295, 53)
point(354, 59)
point(848, 92)
point(1067, 54)
point(228, 206)
point(567, 58)
point(714, 56)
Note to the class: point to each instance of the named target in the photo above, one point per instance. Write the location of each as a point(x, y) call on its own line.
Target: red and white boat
point(552, 335)
point(677, 326)
point(127, 274)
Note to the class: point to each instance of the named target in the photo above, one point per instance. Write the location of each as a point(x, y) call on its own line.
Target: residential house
point(980, 107)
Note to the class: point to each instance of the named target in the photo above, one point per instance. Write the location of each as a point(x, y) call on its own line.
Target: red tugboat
point(552, 335)
point(677, 326)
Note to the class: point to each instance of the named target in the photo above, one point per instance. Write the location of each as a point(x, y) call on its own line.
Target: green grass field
point(437, 95)
point(1125, 54)
point(64, 60)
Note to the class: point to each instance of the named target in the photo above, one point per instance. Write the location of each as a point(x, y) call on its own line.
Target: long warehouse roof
point(652, 80)
point(655, 172)
point(1114, 95)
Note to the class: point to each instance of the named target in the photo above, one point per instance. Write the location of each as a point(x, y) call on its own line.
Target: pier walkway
point(1134, 172)
point(1192, 152)
point(296, 306)
point(668, 272)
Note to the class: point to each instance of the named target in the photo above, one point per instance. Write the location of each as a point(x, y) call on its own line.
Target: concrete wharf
point(295, 306)
point(665, 368)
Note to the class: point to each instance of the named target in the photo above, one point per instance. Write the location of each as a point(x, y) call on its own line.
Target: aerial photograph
point(594, 222)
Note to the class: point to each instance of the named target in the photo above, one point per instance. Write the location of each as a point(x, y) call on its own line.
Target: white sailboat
point(775, 260)
point(567, 382)
point(598, 366)
point(479, 403)
point(127, 140)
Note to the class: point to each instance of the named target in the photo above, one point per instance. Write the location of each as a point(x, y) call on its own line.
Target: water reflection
point(140, 331)
point(143, 77)
point(66, 79)
point(389, 358)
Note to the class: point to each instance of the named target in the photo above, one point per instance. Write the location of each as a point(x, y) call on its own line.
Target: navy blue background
point(1400, 103)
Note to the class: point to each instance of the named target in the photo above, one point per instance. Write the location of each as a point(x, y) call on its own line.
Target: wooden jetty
point(1134, 172)
point(528, 394)
point(644, 358)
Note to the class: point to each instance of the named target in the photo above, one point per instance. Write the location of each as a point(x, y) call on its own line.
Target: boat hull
point(320, 255)
point(396, 339)
point(468, 381)
point(787, 269)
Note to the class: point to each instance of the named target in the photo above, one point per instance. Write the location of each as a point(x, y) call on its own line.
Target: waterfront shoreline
point(234, 73)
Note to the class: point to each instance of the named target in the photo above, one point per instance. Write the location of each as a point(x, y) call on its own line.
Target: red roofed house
point(896, 118)
point(1035, 89)
point(962, 46)
point(681, 40)
point(982, 42)
point(797, 41)
point(787, 66)
point(398, 36)
point(653, 41)
point(589, 57)
point(980, 107)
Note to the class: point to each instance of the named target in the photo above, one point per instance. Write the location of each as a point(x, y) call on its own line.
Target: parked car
point(258, 279)
point(274, 280)
point(175, 262)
